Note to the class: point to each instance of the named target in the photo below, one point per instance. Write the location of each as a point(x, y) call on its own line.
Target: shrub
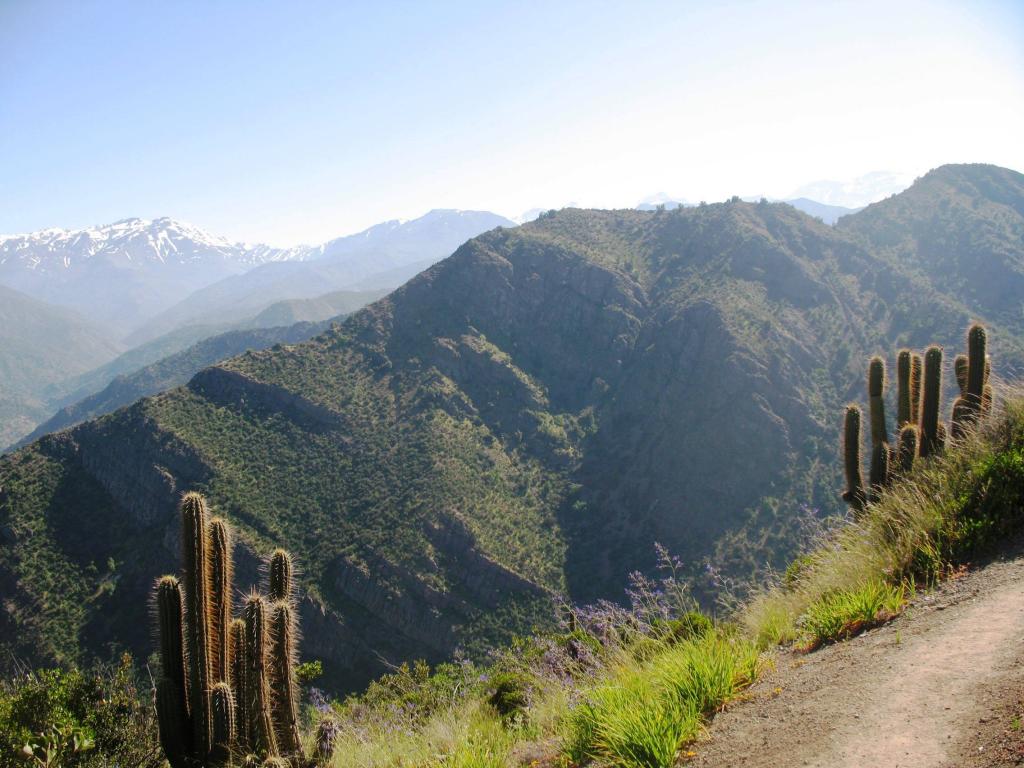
point(509, 694)
point(57, 706)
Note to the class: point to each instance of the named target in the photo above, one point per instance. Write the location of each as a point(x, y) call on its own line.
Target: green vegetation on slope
point(632, 686)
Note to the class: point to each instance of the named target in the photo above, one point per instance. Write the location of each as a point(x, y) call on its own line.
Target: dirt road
point(942, 686)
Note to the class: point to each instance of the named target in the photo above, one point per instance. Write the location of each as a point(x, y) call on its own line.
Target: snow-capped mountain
point(131, 242)
point(124, 273)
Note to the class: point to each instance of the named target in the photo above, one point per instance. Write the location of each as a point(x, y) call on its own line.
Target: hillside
point(40, 342)
point(525, 418)
point(961, 225)
point(171, 371)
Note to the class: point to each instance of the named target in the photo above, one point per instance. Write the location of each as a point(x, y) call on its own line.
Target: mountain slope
point(962, 225)
point(381, 257)
point(525, 418)
point(172, 371)
point(39, 343)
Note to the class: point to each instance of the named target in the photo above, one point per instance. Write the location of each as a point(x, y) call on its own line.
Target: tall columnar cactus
point(283, 661)
point(930, 437)
point(223, 680)
point(972, 376)
point(199, 619)
point(279, 576)
point(224, 722)
point(257, 682)
point(854, 495)
point(916, 376)
point(220, 596)
point(908, 448)
point(977, 366)
point(879, 471)
point(172, 709)
point(238, 671)
point(903, 394)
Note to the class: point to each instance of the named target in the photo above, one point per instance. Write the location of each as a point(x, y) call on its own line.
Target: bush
point(509, 694)
point(102, 711)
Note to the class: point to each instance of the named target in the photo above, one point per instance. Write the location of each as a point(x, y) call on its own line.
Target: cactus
point(195, 541)
point(286, 701)
point(257, 684)
point(916, 374)
point(279, 576)
point(972, 373)
point(879, 471)
point(216, 693)
point(172, 723)
point(977, 367)
point(224, 720)
point(929, 439)
point(908, 448)
point(960, 365)
point(236, 636)
point(220, 596)
point(903, 395)
point(854, 494)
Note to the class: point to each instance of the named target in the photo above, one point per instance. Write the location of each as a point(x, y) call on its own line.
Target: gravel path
point(942, 686)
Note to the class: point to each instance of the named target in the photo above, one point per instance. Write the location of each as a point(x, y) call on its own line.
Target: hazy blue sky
point(299, 121)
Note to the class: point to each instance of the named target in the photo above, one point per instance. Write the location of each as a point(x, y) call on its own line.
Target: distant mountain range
point(379, 258)
point(154, 288)
point(521, 421)
point(125, 274)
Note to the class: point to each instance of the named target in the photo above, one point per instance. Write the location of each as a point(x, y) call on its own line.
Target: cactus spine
point(854, 494)
point(223, 681)
point(930, 439)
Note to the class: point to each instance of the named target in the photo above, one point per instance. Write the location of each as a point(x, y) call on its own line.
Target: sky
point(290, 122)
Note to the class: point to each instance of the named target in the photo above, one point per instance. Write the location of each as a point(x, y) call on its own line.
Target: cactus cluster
point(921, 432)
point(227, 689)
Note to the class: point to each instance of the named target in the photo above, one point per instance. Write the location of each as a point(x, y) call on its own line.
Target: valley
point(523, 420)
